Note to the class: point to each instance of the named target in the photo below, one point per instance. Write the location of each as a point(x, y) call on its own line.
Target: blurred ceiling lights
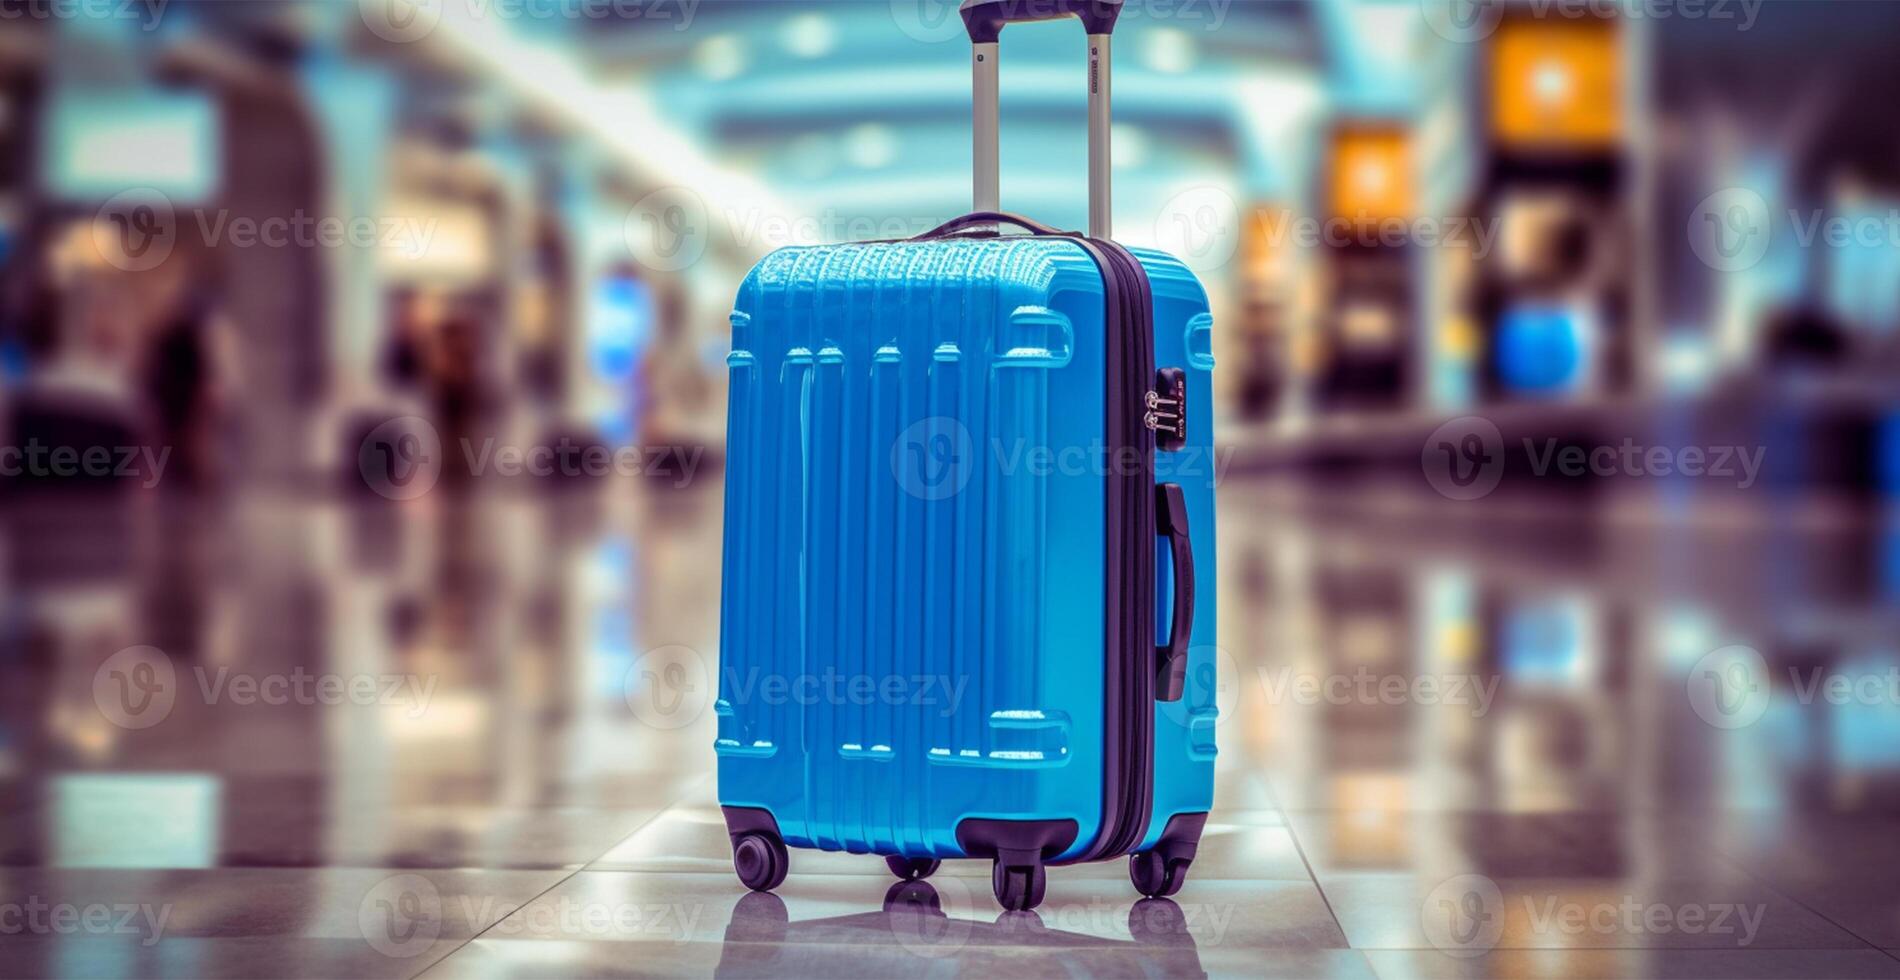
point(1169, 51)
point(720, 57)
point(810, 36)
point(871, 146)
point(625, 120)
point(1131, 146)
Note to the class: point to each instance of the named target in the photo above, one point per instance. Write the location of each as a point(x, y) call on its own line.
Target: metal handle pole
point(987, 157)
point(989, 151)
point(1101, 217)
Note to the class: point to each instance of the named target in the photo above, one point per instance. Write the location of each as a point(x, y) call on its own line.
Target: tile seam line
point(564, 879)
point(1300, 849)
point(1771, 885)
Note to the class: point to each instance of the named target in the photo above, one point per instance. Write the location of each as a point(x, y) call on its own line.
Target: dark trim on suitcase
point(1181, 838)
point(1129, 559)
point(741, 820)
point(984, 837)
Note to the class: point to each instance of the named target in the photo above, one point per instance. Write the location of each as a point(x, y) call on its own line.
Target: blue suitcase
point(959, 617)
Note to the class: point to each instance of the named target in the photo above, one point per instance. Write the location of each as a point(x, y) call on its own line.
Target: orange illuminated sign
point(1557, 83)
point(1372, 174)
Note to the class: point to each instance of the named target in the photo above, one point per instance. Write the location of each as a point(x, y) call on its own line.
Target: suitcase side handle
point(985, 20)
point(1171, 522)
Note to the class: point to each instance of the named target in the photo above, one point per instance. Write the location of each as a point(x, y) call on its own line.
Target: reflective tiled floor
point(426, 741)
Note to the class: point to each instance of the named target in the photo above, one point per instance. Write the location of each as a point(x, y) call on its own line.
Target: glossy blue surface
point(911, 626)
point(1184, 729)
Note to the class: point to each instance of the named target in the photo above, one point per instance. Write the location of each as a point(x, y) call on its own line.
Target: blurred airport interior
point(524, 219)
point(1559, 345)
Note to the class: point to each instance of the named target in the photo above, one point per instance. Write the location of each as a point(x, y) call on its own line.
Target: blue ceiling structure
point(861, 110)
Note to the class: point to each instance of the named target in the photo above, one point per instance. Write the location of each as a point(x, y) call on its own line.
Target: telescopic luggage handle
point(985, 20)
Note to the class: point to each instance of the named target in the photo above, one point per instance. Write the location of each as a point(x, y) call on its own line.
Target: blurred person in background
point(1262, 378)
point(406, 351)
point(458, 394)
point(188, 370)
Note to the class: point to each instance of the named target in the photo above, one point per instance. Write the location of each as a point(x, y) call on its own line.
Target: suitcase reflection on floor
point(913, 935)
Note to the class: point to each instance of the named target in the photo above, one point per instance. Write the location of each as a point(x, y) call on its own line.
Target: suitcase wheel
point(760, 860)
point(1155, 875)
point(1018, 886)
point(912, 869)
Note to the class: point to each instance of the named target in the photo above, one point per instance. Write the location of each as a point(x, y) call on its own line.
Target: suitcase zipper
point(1128, 722)
point(1137, 653)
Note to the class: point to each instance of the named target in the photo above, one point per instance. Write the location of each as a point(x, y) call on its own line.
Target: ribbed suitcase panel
point(885, 533)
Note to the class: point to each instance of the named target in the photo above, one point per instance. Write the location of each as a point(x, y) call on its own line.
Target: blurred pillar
point(515, 208)
point(578, 208)
point(354, 108)
point(1639, 107)
point(595, 215)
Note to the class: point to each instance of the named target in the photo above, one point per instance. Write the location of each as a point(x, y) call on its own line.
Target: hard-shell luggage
point(969, 493)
